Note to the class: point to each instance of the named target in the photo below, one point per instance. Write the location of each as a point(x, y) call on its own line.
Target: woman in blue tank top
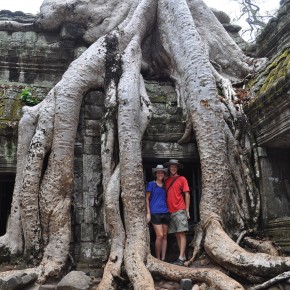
point(157, 211)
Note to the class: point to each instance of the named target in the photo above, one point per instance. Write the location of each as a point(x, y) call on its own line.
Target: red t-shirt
point(175, 200)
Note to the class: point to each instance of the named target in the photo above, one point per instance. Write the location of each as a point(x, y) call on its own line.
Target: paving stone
point(185, 284)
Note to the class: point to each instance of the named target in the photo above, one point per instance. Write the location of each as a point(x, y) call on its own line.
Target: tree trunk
point(183, 41)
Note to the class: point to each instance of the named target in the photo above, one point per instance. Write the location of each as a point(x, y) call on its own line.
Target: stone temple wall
point(276, 34)
point(35, 61)
point(269, 114)
point(89, 243)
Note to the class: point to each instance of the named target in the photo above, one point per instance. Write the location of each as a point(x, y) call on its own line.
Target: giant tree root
point(182, 37)
point(266, 247)
point(116, 229)
point(196, 244)
point(252, 266)
point(211, 277)
point(275, 280)
point(19, 279)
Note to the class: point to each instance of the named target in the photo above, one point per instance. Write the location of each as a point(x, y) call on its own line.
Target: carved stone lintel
point(152, 149)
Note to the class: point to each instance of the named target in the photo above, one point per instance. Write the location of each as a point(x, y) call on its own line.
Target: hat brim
point(154, 170)
point(179, 165)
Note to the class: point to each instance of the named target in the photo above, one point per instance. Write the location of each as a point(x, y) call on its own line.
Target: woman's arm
point(148, 214)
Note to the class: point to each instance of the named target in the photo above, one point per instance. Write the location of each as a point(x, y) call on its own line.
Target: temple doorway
point(6, 191)
point(191, 171)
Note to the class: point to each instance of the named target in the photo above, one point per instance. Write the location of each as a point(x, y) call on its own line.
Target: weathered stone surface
point(87, 232)
point(185, 284)
point(72, 31)
point(276, 34)
point(279, 231)
point(10, 113)
point(167, 150)
point(162, 285)
point(48, 287)
point(168, 123)
point(268, 109)
point(95, 98)
point(34, 286)
point(17, 281)
point(275, 184)
point(45, 58)
point(222, 17)
point(92, 128)
point(18, 16)
point(32, 57)
point(75, 280)
point(94, 112)
point(274, 288)
point(232, 29)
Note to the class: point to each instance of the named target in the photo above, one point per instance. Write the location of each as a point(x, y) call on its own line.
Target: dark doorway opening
point(191, 171)
point(6, 191)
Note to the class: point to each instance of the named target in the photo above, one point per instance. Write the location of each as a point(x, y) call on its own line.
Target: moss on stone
point(158, 99)
point(270, 84)
point(160, 92)
point(278, 71)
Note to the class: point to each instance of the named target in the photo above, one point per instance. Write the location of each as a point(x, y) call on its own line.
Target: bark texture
point(183, 41)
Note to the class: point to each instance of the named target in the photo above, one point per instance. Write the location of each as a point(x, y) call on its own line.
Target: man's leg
point(178, 239)
point(181, 240)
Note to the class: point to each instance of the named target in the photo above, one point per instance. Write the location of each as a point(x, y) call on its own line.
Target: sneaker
point(178, 262)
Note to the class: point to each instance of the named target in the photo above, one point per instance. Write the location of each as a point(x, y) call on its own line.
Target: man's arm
point(187, 203)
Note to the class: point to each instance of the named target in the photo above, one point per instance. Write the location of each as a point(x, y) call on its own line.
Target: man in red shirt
point(178, 200)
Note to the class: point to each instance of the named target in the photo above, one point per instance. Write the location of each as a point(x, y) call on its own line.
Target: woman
point(157, 211)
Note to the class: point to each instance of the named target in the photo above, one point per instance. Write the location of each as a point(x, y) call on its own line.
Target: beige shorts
point(178, 222)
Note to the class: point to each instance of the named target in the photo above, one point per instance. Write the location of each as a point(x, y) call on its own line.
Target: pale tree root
point(211, 277)
point(262, 246)
point(275, 280)
point(196, 244)
point(255, 267)
point(39, 146)
point(115, 227)
point(14, 26)
point(241, 236)
point(11, 244)
point(134, 116)
point(55, 183)
point(13, 273)
point(36, 273)
point(130, 136)
point(188, 132)
point(113, 267)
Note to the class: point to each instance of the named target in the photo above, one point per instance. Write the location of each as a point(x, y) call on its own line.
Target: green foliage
point(28, 98)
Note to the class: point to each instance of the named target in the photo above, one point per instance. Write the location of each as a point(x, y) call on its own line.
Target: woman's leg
point(164, 242)
point(159, 238)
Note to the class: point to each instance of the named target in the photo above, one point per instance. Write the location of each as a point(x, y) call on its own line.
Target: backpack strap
point(173, 182)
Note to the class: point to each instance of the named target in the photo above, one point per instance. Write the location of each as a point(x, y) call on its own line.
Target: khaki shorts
point(178, 222)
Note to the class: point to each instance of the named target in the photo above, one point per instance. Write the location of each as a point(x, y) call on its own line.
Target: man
point(178, 200)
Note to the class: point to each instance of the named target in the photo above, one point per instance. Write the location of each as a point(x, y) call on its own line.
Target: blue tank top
point(157, 199)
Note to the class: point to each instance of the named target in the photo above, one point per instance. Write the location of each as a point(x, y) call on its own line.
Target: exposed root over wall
point(184, 43)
